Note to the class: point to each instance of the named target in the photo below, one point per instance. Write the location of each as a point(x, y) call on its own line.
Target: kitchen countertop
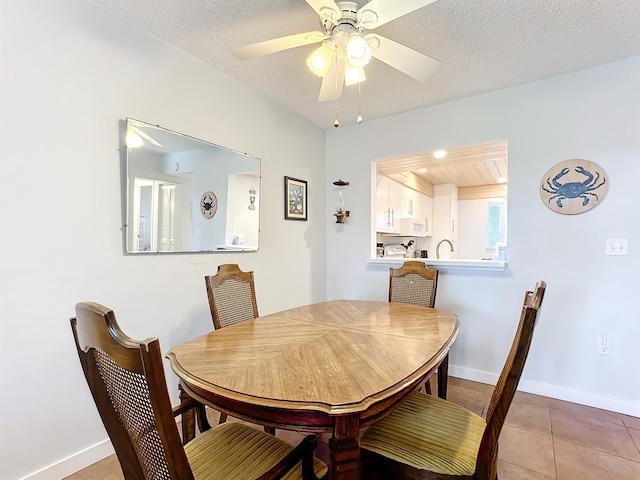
point(449, 264)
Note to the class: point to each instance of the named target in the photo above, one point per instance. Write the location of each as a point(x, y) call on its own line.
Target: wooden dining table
point(335, 366)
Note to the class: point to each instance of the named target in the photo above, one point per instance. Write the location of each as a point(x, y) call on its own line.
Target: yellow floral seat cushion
point(213, 454)
point(428, 433)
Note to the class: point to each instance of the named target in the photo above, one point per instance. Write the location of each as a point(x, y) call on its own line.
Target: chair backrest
point(127, 381)
point(232, 296)
point(413, 283)
point(507, 384)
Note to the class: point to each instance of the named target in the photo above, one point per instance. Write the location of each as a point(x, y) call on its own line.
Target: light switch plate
point(617, 246)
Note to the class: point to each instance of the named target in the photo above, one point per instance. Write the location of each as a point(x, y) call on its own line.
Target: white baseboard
point(73, 463)
point(553, 391)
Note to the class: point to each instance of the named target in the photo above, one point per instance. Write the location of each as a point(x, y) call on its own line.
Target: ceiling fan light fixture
point(320, 60)
point(358, 51)
point(353, 75)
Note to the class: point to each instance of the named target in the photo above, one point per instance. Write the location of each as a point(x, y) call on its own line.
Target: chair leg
point(201, 417)
point(223, 418)
point(270, 430)
point(427, 387)
point(188, 420)
point(443, 377)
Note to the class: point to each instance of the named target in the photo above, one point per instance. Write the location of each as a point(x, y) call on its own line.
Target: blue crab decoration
point(561, 191)
point(207, 203)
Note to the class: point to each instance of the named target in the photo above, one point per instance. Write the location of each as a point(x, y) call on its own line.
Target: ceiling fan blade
point(333, 81)
point(277, 45)
point(379, 12)
point(405, 59)
point(327, 9)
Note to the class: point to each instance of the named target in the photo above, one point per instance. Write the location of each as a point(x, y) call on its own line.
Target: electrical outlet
point(604, 344)
point(617, 246)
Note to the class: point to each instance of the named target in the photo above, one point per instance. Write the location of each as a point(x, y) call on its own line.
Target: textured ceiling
point(483, 45)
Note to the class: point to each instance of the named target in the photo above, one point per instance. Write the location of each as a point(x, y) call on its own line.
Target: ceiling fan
point(347, 46)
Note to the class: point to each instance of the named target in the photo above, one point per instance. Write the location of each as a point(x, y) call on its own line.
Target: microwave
point(412, 227)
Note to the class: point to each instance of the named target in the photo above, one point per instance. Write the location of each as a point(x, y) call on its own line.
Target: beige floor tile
point(290, 436)
point(323, 453)
point(529, 416)
point(529, 450)
point(470, 398)
point(524, 397)
point(575, 462)
point(106, 469)
point(509, 471)
point(591, 412)
point(592, 433)
point(471, 385)
point(635, 434)
point(631, 422)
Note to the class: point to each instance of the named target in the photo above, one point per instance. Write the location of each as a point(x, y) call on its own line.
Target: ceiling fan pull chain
point(359, 118)
point(336, 122)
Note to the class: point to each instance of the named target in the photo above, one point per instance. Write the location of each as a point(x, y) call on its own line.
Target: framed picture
point(295, 199)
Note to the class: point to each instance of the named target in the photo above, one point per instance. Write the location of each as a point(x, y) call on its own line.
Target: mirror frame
point(182, 194)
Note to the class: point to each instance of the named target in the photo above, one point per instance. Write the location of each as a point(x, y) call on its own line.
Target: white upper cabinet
point(445, 207)
point(395, 202)
point(389, 199)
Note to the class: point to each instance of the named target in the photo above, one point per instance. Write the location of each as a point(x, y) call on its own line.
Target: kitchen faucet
point(440, 243)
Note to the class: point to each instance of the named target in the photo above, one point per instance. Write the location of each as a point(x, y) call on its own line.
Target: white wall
point(593, 115)
point(70, 75)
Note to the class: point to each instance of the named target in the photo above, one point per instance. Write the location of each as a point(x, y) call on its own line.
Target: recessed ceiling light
point(440, 153)
point(422, 170)
point(502, 180)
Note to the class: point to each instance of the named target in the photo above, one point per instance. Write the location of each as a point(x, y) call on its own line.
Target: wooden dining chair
point(416, 284)
point(126, 379)
point(431, 438)
point(232, 299)
point(232, 295)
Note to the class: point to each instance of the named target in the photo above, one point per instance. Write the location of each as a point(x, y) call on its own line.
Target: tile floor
point(543, 439)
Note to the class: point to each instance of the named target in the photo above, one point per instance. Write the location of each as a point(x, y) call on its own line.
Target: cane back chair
point(431, 438)
point(127, 381)
point(416, 284)
point(232, 299)
point(232, 295)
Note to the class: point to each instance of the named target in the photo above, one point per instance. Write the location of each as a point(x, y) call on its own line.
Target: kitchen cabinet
point(390, 196)
point(423, 210)
point(395, 201)
point(445, 214)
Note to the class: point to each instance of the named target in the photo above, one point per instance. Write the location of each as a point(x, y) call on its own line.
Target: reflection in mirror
point(188, 195)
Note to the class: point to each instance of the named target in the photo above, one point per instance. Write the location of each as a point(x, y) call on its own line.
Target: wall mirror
point(188, 195)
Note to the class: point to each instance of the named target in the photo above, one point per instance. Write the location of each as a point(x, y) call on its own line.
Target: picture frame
point(295, 199)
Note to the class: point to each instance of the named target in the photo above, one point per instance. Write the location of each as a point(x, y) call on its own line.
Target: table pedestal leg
point(345, 450)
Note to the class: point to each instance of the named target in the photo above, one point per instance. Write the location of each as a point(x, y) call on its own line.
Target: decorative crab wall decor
point(573, 186)
point(208, 204)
